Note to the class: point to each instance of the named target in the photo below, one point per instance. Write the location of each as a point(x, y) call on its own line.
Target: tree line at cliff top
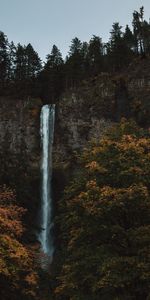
point(22, 72)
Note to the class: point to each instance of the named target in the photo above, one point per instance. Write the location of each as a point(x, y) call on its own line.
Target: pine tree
point(54, 59)
point(129, 38)
point(33, 62)
point(75, 63)
point(52, 75)
point(118, 49)
point(138, 22)
point(12, 60)
point(146, 36)
point(75, 48)
point(85, 59)
point(20, 70)
point(4, 60)
point(95, 55)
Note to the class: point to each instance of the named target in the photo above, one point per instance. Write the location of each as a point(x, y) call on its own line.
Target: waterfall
point(47, 133)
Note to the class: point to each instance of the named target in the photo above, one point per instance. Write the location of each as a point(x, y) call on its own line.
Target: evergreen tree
point(95, 55)
point(33, 62)
point(118, 49)
point(52, 75)
point(75, 48)
point(138, 29)
point(12, 60)
point(27, 69)
point(20, 70)
point(129, 38)
point(54, 60)
point(75, 63)
point(4, 60)
point(85, 59)
point(146, 36)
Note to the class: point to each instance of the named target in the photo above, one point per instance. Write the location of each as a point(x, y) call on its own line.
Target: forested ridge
point(24, 74)
point(102, 218)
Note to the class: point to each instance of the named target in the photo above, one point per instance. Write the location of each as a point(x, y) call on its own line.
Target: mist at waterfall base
point(45, 235)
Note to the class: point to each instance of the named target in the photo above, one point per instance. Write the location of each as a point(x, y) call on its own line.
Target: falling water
point(46, 224)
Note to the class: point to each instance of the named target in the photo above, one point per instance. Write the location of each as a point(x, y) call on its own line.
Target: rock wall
point(76, 124)
point(75, 127)
point(86, 112)
point(20, 151)
point(81, 115)
point(19, 133)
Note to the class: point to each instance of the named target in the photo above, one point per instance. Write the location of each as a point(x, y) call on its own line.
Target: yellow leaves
point(138, 145)
point(124, 193)
point(75, 235)
point(10, 220)
point(105, 219)
point(16, 261)
point(32, 278)
point(7, 195)
point(96, 150)
point(91, 184)
point(94, 166)
point(13, 251)
point(108, 192)
point(82, 195)
point(128, 138)
point(136, 170)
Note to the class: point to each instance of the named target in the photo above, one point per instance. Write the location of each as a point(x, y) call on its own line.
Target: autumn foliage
point(18, 280)
point(105, 221)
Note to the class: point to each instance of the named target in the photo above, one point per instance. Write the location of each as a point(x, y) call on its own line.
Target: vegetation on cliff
point(104, 220)
point(18, 277)
point(103, 226)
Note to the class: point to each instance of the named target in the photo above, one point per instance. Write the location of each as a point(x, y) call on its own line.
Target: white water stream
point(46, 224)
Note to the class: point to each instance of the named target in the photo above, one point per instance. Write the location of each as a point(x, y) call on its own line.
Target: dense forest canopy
point(104, 253)
point(23, 73)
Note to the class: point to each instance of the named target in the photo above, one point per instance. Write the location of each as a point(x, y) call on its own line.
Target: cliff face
point(85, 113)
point(81, 115)
point(75, 126)
point(19, 132)
point(20, 150)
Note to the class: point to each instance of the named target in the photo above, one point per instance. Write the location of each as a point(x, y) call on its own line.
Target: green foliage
point(3, 59)
point(104, 220)
point(119, 48)
point(27, 63)
point(27, 69)
point(75, 62)
point(95, 55)
point(23, 74)
point(52, 75)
